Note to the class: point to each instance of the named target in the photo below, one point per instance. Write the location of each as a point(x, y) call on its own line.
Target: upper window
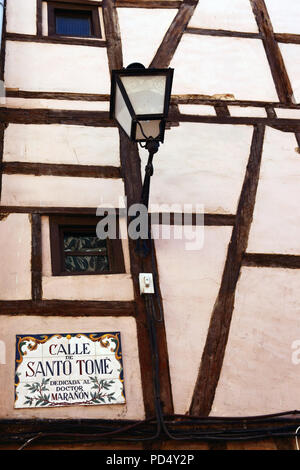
point(73, 20)
point(76, 249)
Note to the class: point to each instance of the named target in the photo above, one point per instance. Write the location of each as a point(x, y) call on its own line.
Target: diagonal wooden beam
point(174, 34)
point(214, 350)
point(280, 76)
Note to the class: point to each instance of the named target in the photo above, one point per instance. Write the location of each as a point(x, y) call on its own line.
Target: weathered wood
point(67, 308)
point(56, 95)
point(229, 100)
point(39, 18)
point(3, 42)
point(82, 2)
point(2, 129)
point(287, 38)
point(51, 210)
point(56, 116)
point(173, 36)
point(55, 40)
point(214, 349)
point(163, 218)
point(271, 260)
point(53, 169)
point(112, 35)
point(101, 118)
point(222, 33)
point(163, 4)
point(277, 66)
point(221, 110)
point(36, 257)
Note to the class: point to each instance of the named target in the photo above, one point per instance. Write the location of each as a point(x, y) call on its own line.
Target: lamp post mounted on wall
point(139, 103)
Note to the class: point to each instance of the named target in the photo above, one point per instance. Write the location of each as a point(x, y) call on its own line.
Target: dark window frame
point(95, 18)
point(63, 223)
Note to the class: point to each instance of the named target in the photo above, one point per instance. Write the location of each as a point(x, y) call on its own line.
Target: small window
point(73, 21)
point(76, 249)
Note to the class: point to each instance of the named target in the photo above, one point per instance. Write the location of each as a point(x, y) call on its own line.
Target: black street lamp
point(139, 103)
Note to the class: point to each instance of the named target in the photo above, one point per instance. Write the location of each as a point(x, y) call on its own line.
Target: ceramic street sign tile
point(69, 369)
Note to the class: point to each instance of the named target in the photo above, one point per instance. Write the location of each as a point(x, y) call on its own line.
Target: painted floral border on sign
point(69, 369)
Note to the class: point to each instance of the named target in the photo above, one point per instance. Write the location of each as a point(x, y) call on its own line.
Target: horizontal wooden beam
point(160, 218)
point(56, 95)
point(222, 32)
point(287, 38)
point(56, 116)
point(229, 100)
point(50, 210)
point(288, 125)
point(39, 169)
point(271, 260)
point(175, 99)
point(101, 118)
point(164, 4)
point(55, 40)
point(67, 308)
point(82, 2)
point(165, 218)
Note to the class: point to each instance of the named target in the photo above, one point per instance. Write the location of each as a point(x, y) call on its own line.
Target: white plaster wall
point(222, 65)
point(285, 113)
point(27, 190)
point(275, 227)
point(21, 16)
point(12, 326)
point(284, 15)
point(82, 145)
point(249, 111)
point(15, 255)
point(258, 374)
point(234, 15)
point(201, 164)
point(91, 287)
point(142, 31)
point(291, 54)
point(189, 282)
point(198, 109)
point(52, 67)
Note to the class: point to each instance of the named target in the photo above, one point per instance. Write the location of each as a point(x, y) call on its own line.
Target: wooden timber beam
point(36, 257)
point(277, 66)
point(214, 349)
point(271, 260)
point(174, 34)
point(53, 169)
point(131, 171)
point(67, 308)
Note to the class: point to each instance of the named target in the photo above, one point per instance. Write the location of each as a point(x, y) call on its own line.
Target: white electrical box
point(146, 283)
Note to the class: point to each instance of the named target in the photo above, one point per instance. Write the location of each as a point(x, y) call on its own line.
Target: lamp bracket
point(152, 145)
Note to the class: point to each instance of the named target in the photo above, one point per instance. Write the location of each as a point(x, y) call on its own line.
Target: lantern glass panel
point(122, 114)
point(150, 129)
point(146, 93)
